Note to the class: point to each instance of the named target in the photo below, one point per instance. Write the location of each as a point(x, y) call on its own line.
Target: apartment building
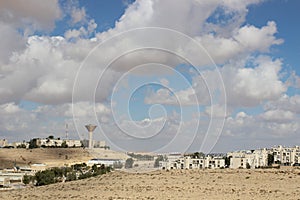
point(286, 155)
point(187, 162)
point(249, 159)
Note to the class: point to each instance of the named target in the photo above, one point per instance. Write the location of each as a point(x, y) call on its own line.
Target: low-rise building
point(73, 143)
point(106, 162)
point(188, 162)
point(47, 142)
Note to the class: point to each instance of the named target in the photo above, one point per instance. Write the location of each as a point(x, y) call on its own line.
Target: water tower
point(90, 128)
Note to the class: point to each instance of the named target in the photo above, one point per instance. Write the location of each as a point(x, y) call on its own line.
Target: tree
point(94, 168)
point(27, 179)
point(156, 162)
point(64, 144)
point(71, 176)
point(248, 166)
point(227, 161)
point(270, 159)
point(45, 177)
point(32, 143)
point(198, 155)
point(129, 163)
point(51, 137)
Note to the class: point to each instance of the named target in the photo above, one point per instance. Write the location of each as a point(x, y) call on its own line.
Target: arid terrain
point(53, 157)
point(179, 184)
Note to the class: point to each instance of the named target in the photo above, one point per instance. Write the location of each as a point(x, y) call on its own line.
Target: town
point(17, 175)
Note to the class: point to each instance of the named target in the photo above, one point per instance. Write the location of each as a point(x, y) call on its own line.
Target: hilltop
point(53, 157)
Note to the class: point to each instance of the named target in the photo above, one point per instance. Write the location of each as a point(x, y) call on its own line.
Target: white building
point(259, 158)
point(214, 162)
point(286, 155)
point(73, 143)
point(187, 162)
point(251, 159)
point(106, 162)
point(49, 142)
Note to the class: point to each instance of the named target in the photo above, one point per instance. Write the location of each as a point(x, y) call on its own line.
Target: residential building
point(73, 143)
point(188, 162)
point(249, 159)
point(286, 155)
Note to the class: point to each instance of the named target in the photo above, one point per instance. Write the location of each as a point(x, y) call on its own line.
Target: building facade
point(188, 162)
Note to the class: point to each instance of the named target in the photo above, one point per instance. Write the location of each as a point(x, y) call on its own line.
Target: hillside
point(181, 184)
point(53, 156)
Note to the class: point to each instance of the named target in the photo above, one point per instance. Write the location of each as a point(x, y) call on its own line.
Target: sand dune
point(181, 184)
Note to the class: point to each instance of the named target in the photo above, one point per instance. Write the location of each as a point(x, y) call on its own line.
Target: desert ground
point(174, 184)
point(53, 157)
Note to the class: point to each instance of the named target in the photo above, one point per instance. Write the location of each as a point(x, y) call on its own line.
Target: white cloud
point(217, 111)
point(252, 86)
point(278, 116)
point(32, 14)
point(78, 15)
point(285, 102)
point(165, 96)
point(253, 38)
point(43, 68)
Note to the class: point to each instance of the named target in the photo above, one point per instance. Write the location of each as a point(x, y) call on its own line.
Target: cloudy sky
point(153, 75)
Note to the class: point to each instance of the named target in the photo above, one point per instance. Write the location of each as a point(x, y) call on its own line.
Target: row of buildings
point(52, 142)
point(259, 158)
point(178, 161)
point(287, 156)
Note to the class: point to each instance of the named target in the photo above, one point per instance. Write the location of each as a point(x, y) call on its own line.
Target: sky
point(153, 75)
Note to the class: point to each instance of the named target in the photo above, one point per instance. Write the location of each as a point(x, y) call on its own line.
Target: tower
point(90, 128)
point(67, 132)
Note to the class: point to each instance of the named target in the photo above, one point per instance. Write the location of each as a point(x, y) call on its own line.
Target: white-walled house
point(251, 158)
point(187, 162)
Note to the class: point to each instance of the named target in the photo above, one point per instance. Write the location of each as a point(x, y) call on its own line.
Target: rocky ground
point(179, 184)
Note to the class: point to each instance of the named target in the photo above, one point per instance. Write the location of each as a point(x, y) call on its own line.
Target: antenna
point(67, 131)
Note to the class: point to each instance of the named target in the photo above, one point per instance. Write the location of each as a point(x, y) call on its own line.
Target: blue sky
point(242, 92)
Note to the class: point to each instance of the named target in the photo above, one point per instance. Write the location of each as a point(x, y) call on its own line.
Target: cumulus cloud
point(254, 38)
point(278, 116)
point(44, 68)
point(285, 102)
point(34, 15)
point(252, 86)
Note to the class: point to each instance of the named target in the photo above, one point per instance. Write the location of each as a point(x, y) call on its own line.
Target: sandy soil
point(182, 184)
point(53, 156)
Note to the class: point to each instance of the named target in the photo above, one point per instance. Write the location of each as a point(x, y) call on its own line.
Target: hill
point(181, 184)
point(53, 156)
